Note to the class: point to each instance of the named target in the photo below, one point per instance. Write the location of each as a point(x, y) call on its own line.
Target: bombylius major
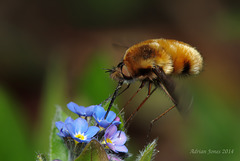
point(154, 61)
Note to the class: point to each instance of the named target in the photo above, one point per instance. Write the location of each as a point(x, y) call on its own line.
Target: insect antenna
point(109, 70)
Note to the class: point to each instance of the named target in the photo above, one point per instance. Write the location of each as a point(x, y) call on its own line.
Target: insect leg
point(117, 95)
point(146, 98)
point(124, 89)
point(166, 91)
point(168, 86)
point(156, 119)
point(140, 87)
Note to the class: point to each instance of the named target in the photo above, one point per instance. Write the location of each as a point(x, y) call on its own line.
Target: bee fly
point(154, 61)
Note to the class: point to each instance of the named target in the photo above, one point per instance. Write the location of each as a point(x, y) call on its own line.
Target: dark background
point(54, 52)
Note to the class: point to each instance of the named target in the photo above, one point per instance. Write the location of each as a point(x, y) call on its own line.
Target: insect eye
point(125, 72)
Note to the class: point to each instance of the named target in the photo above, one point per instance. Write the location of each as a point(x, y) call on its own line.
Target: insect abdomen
point(186, 59)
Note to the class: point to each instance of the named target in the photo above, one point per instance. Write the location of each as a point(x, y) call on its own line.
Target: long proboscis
point(113, 97)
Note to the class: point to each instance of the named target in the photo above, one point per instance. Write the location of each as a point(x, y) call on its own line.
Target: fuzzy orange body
point(154, 61)
point(172, 56)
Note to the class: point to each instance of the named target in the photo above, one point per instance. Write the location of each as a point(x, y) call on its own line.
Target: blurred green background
point(54, 52)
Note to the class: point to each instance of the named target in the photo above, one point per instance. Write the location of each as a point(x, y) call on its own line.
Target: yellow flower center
point(103, 142)
point(101, 128)
point(108, 140)
point(80, 136)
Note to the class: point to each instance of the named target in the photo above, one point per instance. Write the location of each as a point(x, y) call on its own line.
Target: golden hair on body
point(172, 56)
point(154, 61)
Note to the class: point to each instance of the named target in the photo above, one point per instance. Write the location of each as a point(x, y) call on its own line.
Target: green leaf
point(149, 152)
point(93, 151)
point(58, 150)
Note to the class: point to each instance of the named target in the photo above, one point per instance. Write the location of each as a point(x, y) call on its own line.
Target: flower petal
point(113, 157)
point(119, 138)
point(111, 146)
point(72, 106)
point(111, 116)
point(89, 110)
point(68, 120)
point(92, 130)
point(111, 130)
point(60, 134)
point(98, 113)
point(80, 110)
point(77, 139)
point(65, 132)
point(80, 125)
point(104, 123)
point(122, 148)
point(59, 125)
point(71, 129)
point(117, 119)
point(116, 123)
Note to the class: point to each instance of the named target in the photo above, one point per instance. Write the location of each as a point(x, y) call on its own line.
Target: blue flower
point(115, 140)
point(80, 110)
point(79, 130)
point(99, 114)
point(61, 126)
